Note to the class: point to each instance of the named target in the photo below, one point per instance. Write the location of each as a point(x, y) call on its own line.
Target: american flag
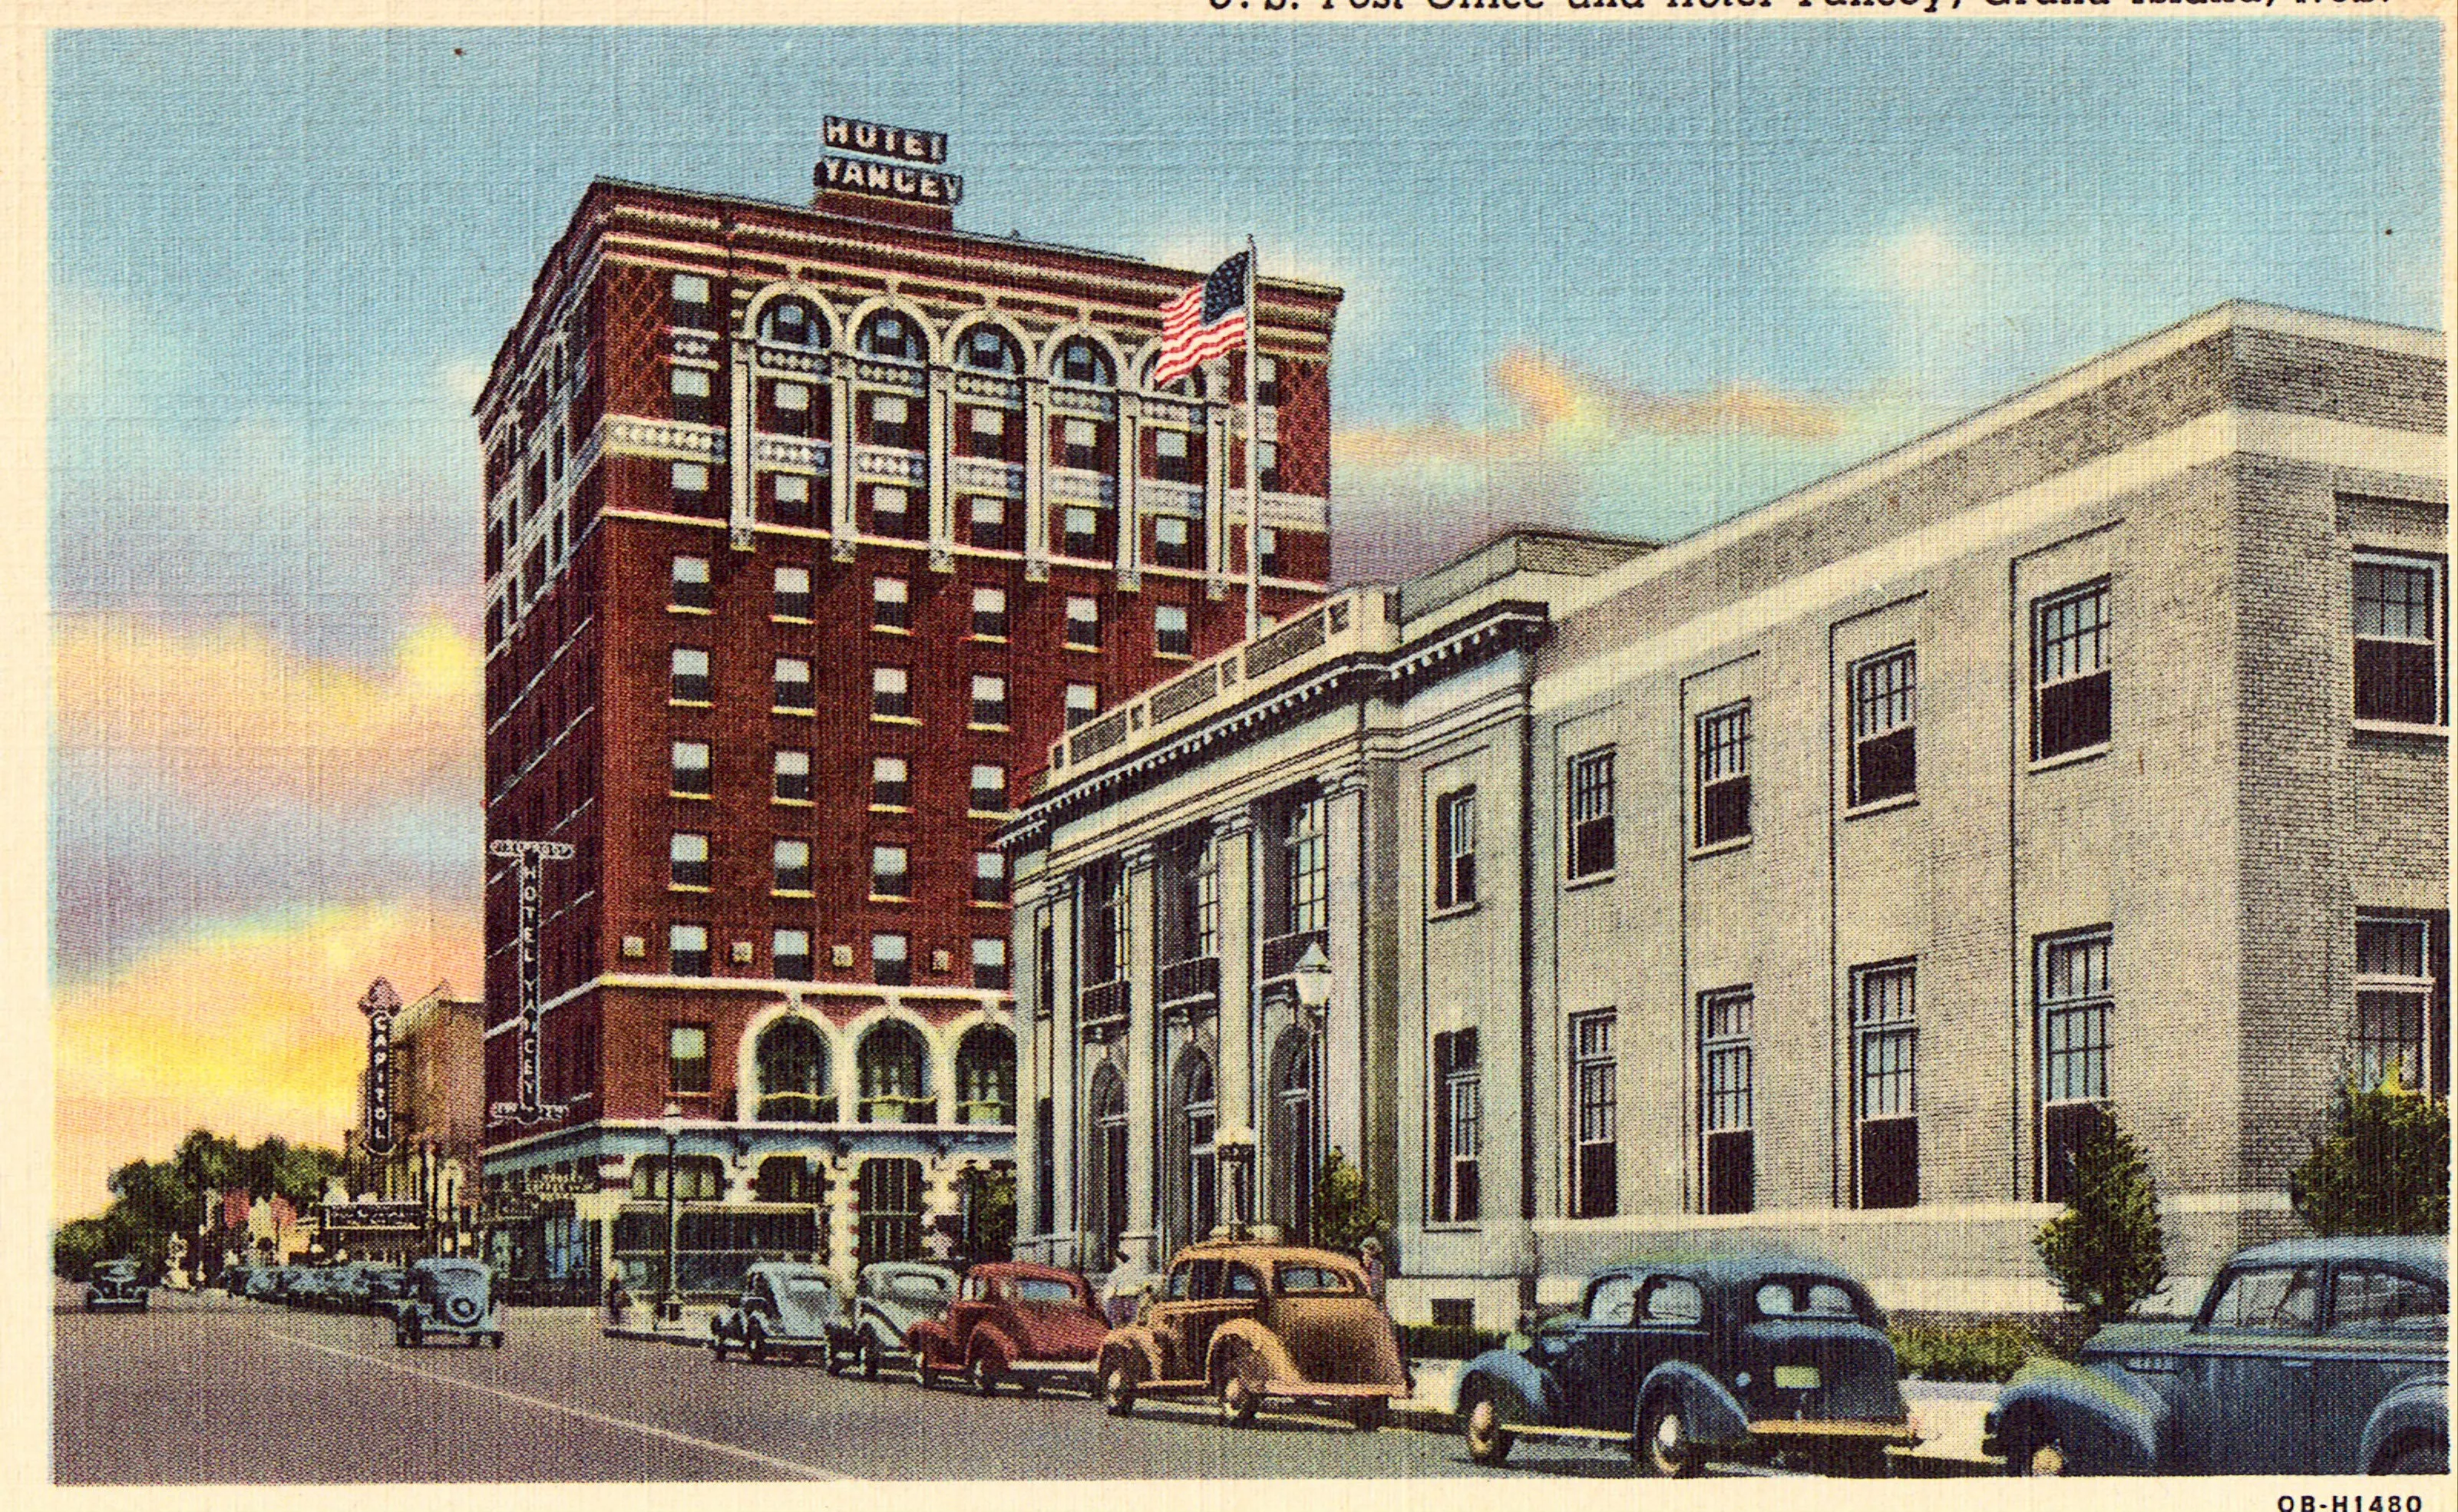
point(1206, 322)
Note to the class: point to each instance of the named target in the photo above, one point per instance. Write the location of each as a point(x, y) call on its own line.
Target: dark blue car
point(2311, 1357)
point(1680, 1361)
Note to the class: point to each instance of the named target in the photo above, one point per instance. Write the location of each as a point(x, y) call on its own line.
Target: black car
point(1680, 1361)
point(2311, 1357)
point(115, 1286)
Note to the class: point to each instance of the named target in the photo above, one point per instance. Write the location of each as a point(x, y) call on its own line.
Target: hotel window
point(690, 481)
point(1595, 1116)
point(2402, 1003)
point(1723, 763)
point(1267, 466)
point(787, 411)
point(889, 875)
point(687, 953)
point(890, 961)
point(1305, 854)
point(691, 584)
point(793, 685)
point(2398, 640)
point(891, 785)
point(891, 606)
point(1173, 543)
point(1081, 361)
point(990, 613)
point(687, 1044)
point(888, 698)
point(1724, 1078)
point(690, 387)
point(989, 793)
point(792, 868)
point(690, 773)
point(987, 514)
point(1170, 636)
point(1459, 1118)
point(2070, 985)
point(1079, 444)
point(1591, 813)
point(688, 681)
point(1267, 546)
point(792, 776)
point(1083, 532)
point(1083, 702)
point(789, 953)
point(988, 349)
point(687, 862)
point(990, 965)
point(1884, 764)
point(990, 877)
point(1173, 459)
point(790, 322)
point(989, 702)
point(793, 592)
point(891, 512)
point(1885, 1061)
point(985, 433)
point(2070, 651)
point(1083, 623)
point(791, 495)
point(890, 335)
point(1455, 849)
point(688, 303)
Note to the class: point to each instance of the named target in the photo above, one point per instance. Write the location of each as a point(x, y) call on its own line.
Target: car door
point(1599, 1355)
point(2246, 1403)
point(2387, 1324)
point(1671, 1324)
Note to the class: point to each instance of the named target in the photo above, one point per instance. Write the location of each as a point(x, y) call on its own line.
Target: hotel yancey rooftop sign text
point(894, 179)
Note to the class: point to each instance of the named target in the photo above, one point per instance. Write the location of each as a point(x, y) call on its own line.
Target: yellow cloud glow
point(247, 1028)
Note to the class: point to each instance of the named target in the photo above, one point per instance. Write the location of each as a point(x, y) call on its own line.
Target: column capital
point(1232, 825)
point(1140, 857)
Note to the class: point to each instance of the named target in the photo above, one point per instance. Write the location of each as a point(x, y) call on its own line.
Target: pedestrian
point(1123, 1293)
point(1369, 1255)
point(616, 1301)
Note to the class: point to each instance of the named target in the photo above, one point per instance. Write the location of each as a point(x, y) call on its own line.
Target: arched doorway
point(1106, 1200)
point(1295, 1132)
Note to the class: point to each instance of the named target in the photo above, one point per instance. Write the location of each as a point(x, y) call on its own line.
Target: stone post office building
point(1815, 881)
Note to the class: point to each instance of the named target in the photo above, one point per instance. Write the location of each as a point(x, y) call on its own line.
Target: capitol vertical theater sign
point(896, 162)
point(382, 1005)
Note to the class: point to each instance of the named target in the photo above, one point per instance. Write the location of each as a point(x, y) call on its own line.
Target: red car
point(1031, 1322)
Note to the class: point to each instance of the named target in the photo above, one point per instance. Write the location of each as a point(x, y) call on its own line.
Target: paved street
point(205, 1390)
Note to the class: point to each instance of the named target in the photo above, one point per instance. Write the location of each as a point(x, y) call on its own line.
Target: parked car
point(1744, 1357)
point(449, 1298)
point(264, 1284)
point(889, 1297)
point(307, 1288)
point(784, 1306)
point(115, 1286)
point(1249, 1322)
point(2312, 1356)
point(346, 1288)
point(386, 1285)
point(1029, 1323)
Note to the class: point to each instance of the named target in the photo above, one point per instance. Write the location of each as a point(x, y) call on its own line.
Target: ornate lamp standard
point(1312, 978)
point(670, 1308)
point(1234, 1147)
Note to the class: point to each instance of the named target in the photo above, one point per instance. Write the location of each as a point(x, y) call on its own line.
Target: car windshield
point(912, 1287)
point(1040, 1289)
point(1803, 1297)
point(1302, 1280)
point(808, 1291)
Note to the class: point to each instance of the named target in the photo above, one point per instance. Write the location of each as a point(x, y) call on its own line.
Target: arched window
point(790, 1179)
point(793, 323)
point(1195, 1189)
point(988, 349)
point(1107, 1201)
point(891, 1064)
point(1081, 360)
point(891, 334)
point(794, 1074)
point(1295, 1132)
point(986, 1076)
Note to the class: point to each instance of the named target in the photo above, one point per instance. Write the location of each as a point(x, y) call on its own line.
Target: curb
point(656, 1335)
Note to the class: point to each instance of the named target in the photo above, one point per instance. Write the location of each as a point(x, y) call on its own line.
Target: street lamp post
point(669, 1306)
point(1312, 978)
point(1234, 1147)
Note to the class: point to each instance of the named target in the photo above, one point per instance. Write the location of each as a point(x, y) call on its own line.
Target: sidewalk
point(640, 1323)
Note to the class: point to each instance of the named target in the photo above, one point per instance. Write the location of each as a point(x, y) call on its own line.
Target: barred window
point(1455, 849)
point(2398, 639)
point(1885, 1055)
point(1592, 812)
point(1595, 1116)
point(1725, 1089)
point(1723, 770)
point(2073, 998)
point(2070, 680)
point(1884, 761)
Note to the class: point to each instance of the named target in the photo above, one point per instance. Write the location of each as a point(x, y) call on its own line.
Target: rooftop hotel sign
point(897, 178)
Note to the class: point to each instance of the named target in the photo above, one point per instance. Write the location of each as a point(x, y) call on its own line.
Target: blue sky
point(1629, 277)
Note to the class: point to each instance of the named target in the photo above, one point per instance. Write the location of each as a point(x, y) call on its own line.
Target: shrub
point(2105, 1250)
point(1446, 1340)
point(1988, 1351)
point(2382, 1165)
point(1345, 1214)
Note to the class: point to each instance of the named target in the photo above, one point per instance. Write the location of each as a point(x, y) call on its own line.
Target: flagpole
point(1254, 470)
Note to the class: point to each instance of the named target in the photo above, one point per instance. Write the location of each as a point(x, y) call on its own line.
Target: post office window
point(1885, 762)
point(2070, 645)
point(2398, 639)
point(1723, 775)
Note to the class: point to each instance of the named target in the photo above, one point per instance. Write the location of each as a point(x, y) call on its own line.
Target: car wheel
point(2032, 1448)
point(1370, 1414)
point(1234, 1382)
point(1118, 1389)
point(2419, 1459)
point(755, 1345)
point(1489, 1441)
point(986, 1373)
point(1663, 1445)
point(869, 1358)
point(417, 1334)
point(924, 1371)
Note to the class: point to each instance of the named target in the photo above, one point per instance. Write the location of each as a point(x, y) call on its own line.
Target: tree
point(2105, 1250)
point(154, 1199)
point(1345, 1215)
point(2381, 1166)
point(989, 1212)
